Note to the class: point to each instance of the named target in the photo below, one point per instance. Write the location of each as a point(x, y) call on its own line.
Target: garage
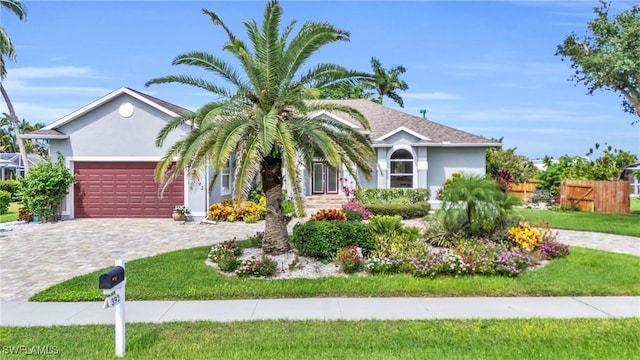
point(123, 190)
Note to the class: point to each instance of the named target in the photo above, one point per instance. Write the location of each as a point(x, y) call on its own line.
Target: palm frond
point(249, 158)
point(195, 82)
point(172, 125)
point(17, 7)
point(211, 63)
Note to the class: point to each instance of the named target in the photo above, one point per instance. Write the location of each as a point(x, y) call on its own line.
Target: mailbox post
point(112, 282)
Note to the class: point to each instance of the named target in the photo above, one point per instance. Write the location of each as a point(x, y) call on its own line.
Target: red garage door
point(123, 190)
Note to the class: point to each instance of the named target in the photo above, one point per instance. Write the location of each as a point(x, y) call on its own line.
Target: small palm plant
point(475, 205)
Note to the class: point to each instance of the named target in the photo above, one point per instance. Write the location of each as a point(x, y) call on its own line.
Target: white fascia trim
point(115, 158)
point(85, 109)
point(314, 115)
point(407, 130)
point(43, 136)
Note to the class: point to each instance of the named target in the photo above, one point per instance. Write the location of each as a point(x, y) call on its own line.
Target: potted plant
point(180, 213)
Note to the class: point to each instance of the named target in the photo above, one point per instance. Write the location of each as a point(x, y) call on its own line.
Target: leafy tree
point(344, 91)
point(500, 161)
point(44, 188)
point(263, 117)
point(8, 138)
point(608, 58)
point(387, 82)
point(382, 82)
point(606, 167)
point(7, 49)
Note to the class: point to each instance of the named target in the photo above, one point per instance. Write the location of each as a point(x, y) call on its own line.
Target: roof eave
point(95, 104)
point(44, 136)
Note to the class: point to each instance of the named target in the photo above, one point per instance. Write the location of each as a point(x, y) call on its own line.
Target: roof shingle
point(384, 120)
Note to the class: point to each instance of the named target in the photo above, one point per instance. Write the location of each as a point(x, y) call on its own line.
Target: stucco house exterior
point(109, 145)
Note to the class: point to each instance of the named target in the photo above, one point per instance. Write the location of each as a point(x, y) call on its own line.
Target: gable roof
point(165, 107)
point(386, 122)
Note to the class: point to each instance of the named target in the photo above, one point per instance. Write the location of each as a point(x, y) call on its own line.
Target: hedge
point(322, 239)
point(375, 196)
point(406, 211)
point(10, 186)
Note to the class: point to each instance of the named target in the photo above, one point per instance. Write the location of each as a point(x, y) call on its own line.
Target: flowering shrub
point(553, 249)
point(512, 262)
point(224, 248)
point(429, 264)
point(257, 267)
point(525, 236)
point(219, 212)
point(331, 214)
point(388, 265)
point(354, 205)
point(227, 211)
point(471, 257)
point(349, 259)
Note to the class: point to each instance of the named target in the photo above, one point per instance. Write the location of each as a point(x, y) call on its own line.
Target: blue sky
point(487, 67)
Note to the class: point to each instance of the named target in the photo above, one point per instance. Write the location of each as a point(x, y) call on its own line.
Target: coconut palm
point(262, 116)
point(386, 82)
point(7, 49)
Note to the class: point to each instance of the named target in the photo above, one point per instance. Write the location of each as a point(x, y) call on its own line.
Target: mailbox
point(113, 277)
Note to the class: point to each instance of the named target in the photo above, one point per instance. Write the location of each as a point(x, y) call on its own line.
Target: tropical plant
point(349, 259)
point(387, 82)
point(263, 117)
point(499, 161)
point(7, 49)
point(609, 57)
point(474, 205)
point(8, 138)
point(328, 215)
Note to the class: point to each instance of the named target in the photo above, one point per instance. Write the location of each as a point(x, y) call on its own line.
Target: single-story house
point(109, 145)
point(12, 166)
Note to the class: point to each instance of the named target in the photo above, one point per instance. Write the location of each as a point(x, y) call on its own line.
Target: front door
point(324, 179)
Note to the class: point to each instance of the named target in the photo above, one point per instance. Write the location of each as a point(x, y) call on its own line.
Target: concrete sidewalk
point(22, 313)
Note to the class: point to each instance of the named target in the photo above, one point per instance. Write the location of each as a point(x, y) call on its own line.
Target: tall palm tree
point(7, 49)
point(263, 117)
point(386, 82)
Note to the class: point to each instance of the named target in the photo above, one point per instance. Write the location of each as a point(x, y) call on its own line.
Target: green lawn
point(12, 215)
point(584, 272)
point(371, 339)
point(635, 206)
point(621, 224)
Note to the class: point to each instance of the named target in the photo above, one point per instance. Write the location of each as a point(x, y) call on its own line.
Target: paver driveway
point(34, 257)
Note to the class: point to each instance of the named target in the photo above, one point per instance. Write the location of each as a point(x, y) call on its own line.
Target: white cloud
point(38, 113)
point(17, 88)
point(432, 96)
point(51, 72)
point(511, 67)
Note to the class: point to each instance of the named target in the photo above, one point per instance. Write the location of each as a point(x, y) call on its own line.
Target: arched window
point(401, 165)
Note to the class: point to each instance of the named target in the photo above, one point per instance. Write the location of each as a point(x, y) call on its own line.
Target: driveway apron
point(34, 257)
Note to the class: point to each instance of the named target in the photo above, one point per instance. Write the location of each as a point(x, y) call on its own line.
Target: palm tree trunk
point(16, 129)
point(276, 238)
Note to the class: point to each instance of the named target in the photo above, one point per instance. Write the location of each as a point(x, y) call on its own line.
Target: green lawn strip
point(184, 275)
point(621, 224)
point(12, 214)
point(635, 206)
point(366, 339)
